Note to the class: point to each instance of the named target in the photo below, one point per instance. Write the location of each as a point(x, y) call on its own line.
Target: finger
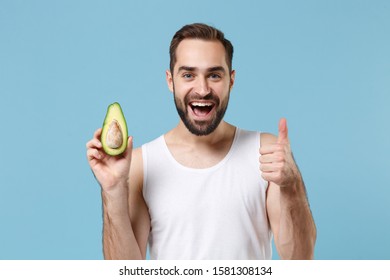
point(270, 158)
point(93, 154)
point(283, 131)
point(269, 167)
point(129, 150)
point(271, 176)
point(94, 143)
point(98, 133)
point(272, 167)
point(271, 148)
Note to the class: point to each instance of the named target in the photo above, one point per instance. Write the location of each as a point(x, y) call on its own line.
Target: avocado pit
point(114, 138)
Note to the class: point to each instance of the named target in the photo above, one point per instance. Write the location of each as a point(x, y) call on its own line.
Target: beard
point(196, 127)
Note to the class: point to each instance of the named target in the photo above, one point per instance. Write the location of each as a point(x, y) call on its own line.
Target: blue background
point(324, 65)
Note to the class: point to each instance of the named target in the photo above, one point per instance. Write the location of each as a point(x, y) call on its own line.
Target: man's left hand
point(276, 160)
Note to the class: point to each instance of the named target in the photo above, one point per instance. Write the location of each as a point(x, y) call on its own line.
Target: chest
point(197, 157)
point(229, 193)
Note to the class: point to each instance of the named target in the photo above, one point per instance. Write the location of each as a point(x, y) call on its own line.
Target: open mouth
point(201, 109)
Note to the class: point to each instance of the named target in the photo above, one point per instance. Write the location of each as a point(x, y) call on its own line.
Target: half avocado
point(114, 133)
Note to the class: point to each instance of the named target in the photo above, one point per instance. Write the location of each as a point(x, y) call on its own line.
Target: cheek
point(181, 88)
point(222, 90)
point(223, 86)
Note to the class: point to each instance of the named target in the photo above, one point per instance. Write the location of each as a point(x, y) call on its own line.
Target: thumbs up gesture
point(277, 164)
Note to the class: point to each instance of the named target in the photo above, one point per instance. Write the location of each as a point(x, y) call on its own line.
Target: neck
point(180, 133)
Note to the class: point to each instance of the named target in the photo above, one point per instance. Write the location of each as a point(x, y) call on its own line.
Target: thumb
point(283, 131)
point(129, 148)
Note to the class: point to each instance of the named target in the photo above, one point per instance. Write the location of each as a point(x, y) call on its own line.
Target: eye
point(187, 76)
point(215, 76)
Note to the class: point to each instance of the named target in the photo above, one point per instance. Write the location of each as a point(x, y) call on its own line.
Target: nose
point(202, 87)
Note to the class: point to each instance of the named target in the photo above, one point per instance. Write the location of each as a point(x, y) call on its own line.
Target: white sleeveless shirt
point(212, 213)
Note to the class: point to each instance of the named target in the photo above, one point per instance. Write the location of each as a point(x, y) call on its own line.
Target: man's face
point(201, 84)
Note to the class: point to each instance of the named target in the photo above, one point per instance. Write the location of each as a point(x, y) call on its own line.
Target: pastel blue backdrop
point(324, 65)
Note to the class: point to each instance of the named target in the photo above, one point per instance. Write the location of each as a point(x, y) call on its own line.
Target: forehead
point(200, 54)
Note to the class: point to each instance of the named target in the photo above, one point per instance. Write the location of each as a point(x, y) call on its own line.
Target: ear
point(232, 78)
point(168, 77)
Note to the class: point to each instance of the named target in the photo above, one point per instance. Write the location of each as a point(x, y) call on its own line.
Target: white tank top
point(212, 213)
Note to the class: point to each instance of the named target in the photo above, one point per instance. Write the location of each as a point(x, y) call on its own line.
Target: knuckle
point(279, 158)
point(262, 167)
point(280, 147)
point(261, 160)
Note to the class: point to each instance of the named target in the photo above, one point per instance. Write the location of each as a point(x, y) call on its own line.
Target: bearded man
point(205, 189)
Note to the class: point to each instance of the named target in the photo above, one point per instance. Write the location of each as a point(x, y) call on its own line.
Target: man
point(205, 189)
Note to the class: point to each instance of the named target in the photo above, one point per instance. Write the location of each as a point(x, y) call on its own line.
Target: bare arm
point(119, 240)
point(120, 233)
point(138, 211)
point(287, 205)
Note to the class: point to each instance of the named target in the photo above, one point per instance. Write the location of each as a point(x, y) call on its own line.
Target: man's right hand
point(110, 171)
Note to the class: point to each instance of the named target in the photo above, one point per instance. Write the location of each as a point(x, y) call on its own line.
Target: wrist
point(115, 200)
point(115, 189)
point(294, 193)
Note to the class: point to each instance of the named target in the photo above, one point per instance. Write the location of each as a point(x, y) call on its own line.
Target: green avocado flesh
point(114, 133)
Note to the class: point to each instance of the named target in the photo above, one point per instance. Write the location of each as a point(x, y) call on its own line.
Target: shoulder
point(136, 170)
point(138, 156)
point(264, 137)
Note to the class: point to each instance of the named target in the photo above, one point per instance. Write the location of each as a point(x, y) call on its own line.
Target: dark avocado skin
point(114, 112)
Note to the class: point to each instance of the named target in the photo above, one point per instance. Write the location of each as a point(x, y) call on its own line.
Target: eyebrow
point(191, 69)
point(186, 68)
point(216, 69)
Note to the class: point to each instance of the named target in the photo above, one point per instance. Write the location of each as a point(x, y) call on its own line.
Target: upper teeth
point(201, 104)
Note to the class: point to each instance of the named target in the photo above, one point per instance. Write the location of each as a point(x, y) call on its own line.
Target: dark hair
point(200, 31)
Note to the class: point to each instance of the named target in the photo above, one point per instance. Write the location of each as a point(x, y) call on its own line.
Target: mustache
point(195, 96)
